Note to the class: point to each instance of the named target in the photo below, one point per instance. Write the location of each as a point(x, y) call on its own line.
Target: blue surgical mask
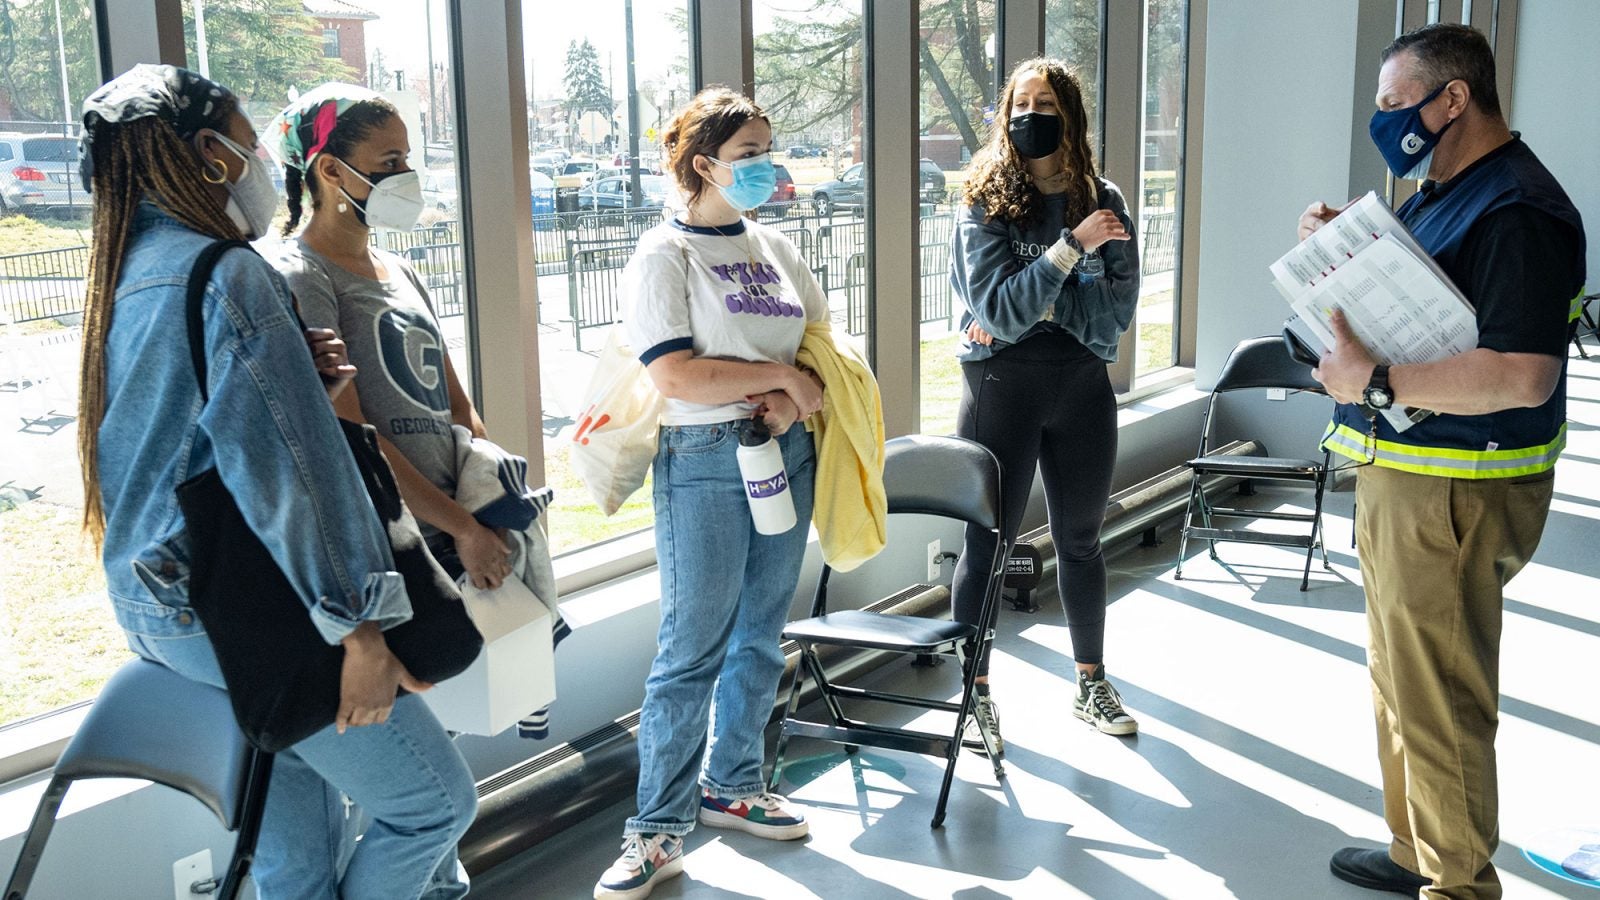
point(1406, 144)
point(754, 180)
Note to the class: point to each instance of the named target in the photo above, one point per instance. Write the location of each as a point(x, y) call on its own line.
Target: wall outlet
point(1277, 393)
point(187, 871)
point(935, 566)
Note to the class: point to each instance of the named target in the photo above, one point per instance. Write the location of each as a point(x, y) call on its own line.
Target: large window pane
point(58, 641)
point(958, 50)
point(1161, 185)
point(809, 79)
point(1072, 34)
point(586, 133)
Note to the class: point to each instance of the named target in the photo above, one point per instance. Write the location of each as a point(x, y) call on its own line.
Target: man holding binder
point(1453, 507)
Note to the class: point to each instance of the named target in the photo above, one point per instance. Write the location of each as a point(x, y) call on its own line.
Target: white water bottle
point(766, 484)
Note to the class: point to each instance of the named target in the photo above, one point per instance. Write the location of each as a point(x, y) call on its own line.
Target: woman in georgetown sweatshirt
point(1045, 261)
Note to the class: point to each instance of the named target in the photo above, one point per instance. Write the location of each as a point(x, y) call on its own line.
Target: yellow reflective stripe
point(1577, 305)
point(1445, 461)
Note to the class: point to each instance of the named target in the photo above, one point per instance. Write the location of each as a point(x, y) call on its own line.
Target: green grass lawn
point(58, 641)
point(22, 234)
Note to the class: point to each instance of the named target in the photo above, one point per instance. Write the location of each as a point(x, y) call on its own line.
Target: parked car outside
point(849, 191)
point(439, 191)
point(802, 151)
point(576, 172)
point(39, 172)
point(612, 193)
point(782, 194)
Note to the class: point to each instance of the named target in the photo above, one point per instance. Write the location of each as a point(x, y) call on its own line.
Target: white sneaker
point(1099, 704)
point(646, 860)
point(985, 713)
point(762, 815)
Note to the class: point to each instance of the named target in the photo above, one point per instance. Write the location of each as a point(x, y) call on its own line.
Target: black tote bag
point(282, 678)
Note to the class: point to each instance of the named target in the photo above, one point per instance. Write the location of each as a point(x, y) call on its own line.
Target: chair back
point(1264, 362)
point(941, 475)
point(151, 723)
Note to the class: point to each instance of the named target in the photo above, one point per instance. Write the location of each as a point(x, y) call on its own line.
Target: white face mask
point(395, 201)
point(252, 200)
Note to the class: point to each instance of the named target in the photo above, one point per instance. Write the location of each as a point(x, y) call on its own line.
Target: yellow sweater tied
point(851, 510)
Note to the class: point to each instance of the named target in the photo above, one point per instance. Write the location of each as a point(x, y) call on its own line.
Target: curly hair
point(709, 121)
point(998, 180)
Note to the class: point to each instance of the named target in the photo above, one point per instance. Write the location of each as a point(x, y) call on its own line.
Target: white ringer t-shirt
point(693, 288)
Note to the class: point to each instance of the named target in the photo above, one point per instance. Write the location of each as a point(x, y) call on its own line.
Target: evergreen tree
point(584, 83)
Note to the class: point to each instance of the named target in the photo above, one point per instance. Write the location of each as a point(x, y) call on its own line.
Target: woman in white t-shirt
point(716, 305)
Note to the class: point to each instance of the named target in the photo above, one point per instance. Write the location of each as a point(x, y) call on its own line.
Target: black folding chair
point(929, 475)
point(1258, 363)
point(153, 724)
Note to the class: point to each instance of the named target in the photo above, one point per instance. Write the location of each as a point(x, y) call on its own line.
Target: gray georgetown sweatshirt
point(1016, 279)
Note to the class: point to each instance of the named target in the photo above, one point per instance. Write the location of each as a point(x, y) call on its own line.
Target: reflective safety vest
point(1502, 444)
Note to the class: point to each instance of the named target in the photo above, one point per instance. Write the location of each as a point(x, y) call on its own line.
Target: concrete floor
point(1254, 760)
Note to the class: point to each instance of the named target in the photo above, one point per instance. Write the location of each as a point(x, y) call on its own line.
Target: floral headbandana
point(298, 133)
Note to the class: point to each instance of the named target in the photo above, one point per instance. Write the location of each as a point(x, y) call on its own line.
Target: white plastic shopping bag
point(615, 440)
point(515, 673)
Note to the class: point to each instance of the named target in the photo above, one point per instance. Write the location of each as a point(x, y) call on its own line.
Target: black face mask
point(1035, 135)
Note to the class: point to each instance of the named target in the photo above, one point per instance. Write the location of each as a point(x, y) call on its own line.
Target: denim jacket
point(268, 429)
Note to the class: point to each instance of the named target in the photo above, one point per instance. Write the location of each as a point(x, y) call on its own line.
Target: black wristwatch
point(1377, 394)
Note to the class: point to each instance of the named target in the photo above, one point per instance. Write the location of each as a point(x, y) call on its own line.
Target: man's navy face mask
point(1406, 144)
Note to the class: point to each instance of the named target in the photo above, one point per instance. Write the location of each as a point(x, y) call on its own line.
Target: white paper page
point(1402, 312)
point(1334, 244)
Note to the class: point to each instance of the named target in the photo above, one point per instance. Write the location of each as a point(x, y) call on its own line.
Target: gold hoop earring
point(222, 179)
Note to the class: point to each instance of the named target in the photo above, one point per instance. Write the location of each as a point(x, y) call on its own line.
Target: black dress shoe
point(1374, 869)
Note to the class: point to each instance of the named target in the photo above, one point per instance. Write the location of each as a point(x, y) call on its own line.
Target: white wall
point(1554, 99)
point(1278, 118)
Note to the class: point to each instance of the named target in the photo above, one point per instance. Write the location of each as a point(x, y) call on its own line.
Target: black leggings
point(1047, 402)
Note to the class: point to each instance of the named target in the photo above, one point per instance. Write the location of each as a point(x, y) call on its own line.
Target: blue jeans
point(405, 774)
point(725, 595)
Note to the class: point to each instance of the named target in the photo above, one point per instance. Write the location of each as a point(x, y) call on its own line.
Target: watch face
point(1378, 398)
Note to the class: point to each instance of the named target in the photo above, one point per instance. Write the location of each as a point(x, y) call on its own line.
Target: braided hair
point(141, 159)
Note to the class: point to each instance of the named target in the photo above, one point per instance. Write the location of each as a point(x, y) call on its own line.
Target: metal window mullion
point(1503, 40)
point(893, 206)
point(717, 25)
point(1021, 35)
point(1482, 16)
point(1189, 236)
point(502, 296)
point(129, 32)
point(1122, 90)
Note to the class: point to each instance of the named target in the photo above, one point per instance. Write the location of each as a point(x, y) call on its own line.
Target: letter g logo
point(1411, 144)
point(413, 357)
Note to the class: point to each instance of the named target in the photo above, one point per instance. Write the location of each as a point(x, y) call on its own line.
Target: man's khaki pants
point(1435, 554)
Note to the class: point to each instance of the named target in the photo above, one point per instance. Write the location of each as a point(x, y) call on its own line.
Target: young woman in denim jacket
point(172, 166)
point(716, 307)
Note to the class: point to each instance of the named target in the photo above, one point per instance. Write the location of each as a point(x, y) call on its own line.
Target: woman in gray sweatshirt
point(1045, 261)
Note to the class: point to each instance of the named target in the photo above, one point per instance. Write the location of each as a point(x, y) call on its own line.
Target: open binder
point(1398, 301)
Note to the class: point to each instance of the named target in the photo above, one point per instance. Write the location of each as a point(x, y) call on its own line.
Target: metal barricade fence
point(594, 275)
point(43, 284)
point(832, 248)
point(1157, 247)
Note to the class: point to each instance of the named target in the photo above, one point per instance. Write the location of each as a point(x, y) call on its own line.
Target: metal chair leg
point(255, 806)
point(789, 710)
point(44, 821)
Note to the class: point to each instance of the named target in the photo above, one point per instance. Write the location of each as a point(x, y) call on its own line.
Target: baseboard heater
point(538, 799)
